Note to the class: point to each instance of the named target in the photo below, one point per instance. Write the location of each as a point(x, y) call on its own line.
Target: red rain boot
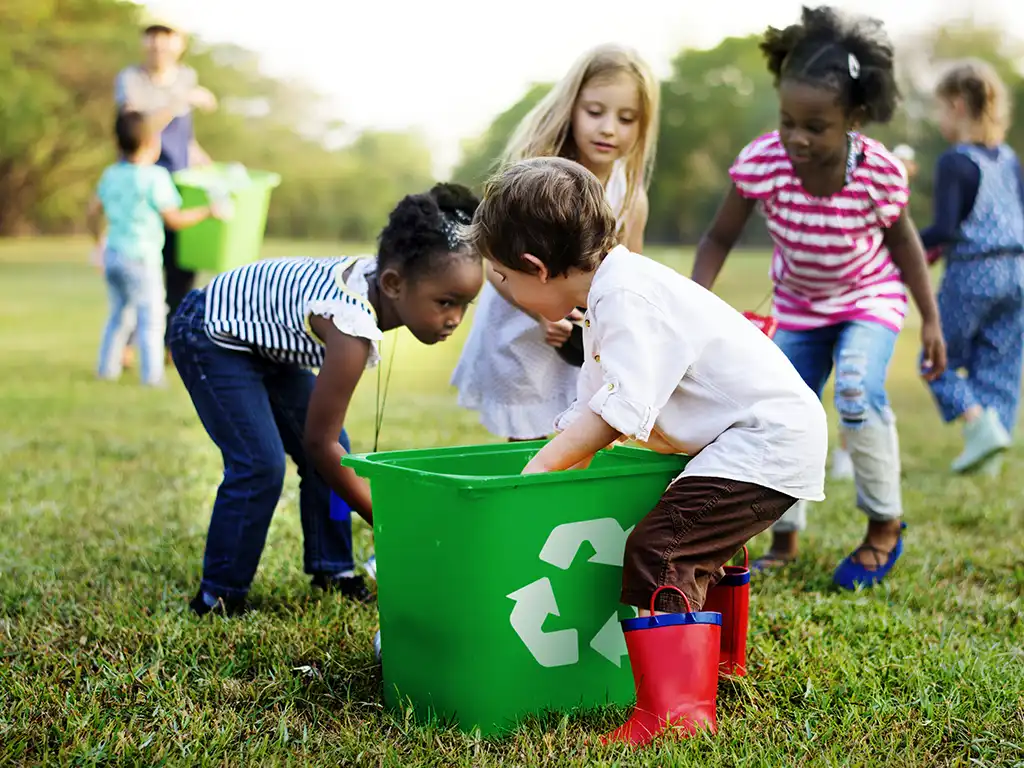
point(673, 657)
point(731, 598)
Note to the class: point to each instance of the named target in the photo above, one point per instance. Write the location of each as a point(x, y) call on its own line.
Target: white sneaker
point(370, 566)
point(376, 645)
point(842, 465)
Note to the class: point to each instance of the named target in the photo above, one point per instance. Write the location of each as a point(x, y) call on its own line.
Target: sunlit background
point(357, 104)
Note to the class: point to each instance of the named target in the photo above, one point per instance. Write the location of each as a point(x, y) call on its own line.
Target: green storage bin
point(499, 593)
point(217, 246)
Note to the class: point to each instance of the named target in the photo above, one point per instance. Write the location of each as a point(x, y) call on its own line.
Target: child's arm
point(344, 362)
point(644, 356)
point(166, 199)
point(956, 179)
point(575, 447)
point(177, 219)
point(720, 237)
point(637, 223)
point(908, 255)
point(95, 221)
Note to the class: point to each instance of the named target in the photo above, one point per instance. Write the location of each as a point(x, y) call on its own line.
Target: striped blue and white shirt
point(264, 307)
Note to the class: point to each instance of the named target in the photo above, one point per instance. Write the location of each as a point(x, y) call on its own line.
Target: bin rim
point(258, 177)
point(386, 463)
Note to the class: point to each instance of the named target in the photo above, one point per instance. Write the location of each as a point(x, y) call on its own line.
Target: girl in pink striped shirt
point(835, 203)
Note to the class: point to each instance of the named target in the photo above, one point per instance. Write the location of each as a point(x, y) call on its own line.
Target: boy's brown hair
point(984, 95)
point(549, 207)
point(132, 130)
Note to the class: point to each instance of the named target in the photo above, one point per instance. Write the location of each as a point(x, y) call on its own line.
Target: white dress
point(507, 371)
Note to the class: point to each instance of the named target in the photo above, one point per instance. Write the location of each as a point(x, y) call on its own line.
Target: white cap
point(159, 18)
point(904, 152)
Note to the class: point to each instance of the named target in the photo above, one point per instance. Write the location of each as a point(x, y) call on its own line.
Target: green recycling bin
point(499, 593)
point(214, 245)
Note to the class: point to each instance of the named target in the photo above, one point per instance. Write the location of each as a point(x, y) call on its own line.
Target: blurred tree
point(713, 103)
point(57, 67)
point(57, 109)
point(480, 156)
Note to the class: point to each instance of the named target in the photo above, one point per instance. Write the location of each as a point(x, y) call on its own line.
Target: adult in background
point(166, 91)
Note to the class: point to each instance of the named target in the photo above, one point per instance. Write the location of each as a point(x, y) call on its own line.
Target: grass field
point(105, 491)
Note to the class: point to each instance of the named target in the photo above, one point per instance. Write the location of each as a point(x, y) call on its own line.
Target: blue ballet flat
point(850, 574)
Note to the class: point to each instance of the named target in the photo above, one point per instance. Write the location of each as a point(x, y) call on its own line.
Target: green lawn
point(105, 492)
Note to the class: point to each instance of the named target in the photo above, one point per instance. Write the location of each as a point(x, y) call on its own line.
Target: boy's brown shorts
point(699, 524)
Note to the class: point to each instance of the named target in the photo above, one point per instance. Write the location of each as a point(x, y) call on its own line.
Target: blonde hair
point(984, 95)
point(547, 130)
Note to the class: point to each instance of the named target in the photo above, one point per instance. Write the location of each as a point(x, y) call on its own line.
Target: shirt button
point(597, 358)
point(586, 323)
point(611, 387)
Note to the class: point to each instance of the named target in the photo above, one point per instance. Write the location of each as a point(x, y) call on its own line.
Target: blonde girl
point(604, 115)
point(979, 227)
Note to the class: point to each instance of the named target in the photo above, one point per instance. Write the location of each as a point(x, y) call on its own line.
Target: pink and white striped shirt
point(830, 263)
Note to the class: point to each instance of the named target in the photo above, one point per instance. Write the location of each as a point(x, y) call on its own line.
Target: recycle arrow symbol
point(605, 536)
point(536, 601)
point(610, 642)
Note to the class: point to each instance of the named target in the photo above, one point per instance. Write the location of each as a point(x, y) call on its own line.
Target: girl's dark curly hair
point(851, 55)
point(423, 231)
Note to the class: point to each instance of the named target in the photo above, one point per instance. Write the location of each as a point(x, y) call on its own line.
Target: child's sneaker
point(204, 603)
point(982, 437)
point(370, 566)
point(842, 465)
point(346, 584)
point(992, 466)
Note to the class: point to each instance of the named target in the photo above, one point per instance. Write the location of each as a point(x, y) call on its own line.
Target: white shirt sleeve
point(643, 355)
point(587, 385)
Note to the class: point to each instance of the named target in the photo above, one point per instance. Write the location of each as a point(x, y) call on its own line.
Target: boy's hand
point(587, 435)
point(202, 98)
point(933, 362)
point(556, 334)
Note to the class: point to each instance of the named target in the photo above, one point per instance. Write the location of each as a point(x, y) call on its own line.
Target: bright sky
point(447, 67)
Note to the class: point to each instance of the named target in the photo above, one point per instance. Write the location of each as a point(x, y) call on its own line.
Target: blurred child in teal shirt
point(137, 199)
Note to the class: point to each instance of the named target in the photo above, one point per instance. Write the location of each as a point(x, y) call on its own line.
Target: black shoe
point(352, 587)
point(225, 606)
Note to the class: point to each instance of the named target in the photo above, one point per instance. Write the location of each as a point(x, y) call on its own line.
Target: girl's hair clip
point(854, 64)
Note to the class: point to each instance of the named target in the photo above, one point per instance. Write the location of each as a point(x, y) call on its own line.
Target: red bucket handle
point(676, 589)
point(746, 558)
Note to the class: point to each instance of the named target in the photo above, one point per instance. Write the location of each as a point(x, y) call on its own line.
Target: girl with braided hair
point(245, 347)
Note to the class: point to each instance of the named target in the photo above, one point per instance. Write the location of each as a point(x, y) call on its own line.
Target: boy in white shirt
point(670, 365)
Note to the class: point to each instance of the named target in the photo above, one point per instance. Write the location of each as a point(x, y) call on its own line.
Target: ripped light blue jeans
point(859, 352)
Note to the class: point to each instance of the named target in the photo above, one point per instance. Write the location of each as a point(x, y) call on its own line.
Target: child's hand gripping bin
point(731, 598)
point(532, 575)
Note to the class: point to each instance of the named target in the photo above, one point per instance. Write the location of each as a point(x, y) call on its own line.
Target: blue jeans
point(981, 304)
point(860, 353)
point(135, 289)
point(255, 411)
